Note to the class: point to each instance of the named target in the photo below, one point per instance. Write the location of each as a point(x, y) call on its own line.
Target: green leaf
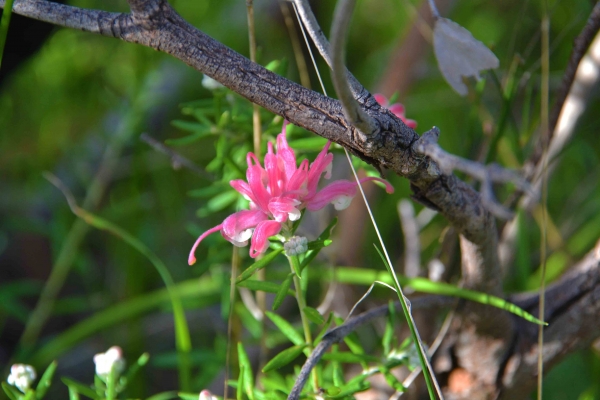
point(338, 372)
point(324, 329)
point(190, 126)
point(350, 389)
point(29, 395)
point(389, 335)
point(12, 392)
point(283, 291)
point(284, 358)
point(73, 395)
point(169, 395)
point(311, 254)
point(45, 381)
point(314, 315)
point(187, 396)
point(392, 380)
point(286, 328)
point(81, 388)
point(133, 370)
point(263, 286)
point(246, 372)
point(349, 358)
point(260, 264)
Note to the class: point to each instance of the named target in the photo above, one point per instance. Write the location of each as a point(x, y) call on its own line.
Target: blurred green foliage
point(81, 94)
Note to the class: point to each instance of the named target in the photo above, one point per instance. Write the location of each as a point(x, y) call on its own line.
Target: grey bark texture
point(497, 350)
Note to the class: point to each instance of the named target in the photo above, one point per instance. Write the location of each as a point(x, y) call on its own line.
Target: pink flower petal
point(337, 192)
point(237, 227)
point(322, 164)
point(285, 153)
point(381, 99)
point(388, 186)
point(243, 188)
point(260, 238)
point(192, 257)
point(283, 208)
point(397, 109)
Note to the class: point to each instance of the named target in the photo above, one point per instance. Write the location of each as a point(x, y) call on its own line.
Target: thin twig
point(352, 109)
point(427, 144)
point(338, 333)
point(177, 160)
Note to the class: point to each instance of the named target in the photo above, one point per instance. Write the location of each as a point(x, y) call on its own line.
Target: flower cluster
point(397, 109)
point(278, 192)
point(21, 376)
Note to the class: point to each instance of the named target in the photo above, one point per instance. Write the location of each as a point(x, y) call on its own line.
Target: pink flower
point(397, 109)
point(278, 193)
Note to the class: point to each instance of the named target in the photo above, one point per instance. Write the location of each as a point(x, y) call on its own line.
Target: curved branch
point(340, 332)
point(352, 109)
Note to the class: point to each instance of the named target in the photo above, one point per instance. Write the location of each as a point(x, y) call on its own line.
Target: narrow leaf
point(283, 291)
point(263, 286)
point(45, 381)
point(246, 372)
point(283, 358)
point(11, 391)
point(314, 315)
point(263, 262)
point(311, 254)
point(81, 388)
point(286, 328)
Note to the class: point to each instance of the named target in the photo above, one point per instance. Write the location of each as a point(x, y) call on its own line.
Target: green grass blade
point(182, 334)
point(4, 22)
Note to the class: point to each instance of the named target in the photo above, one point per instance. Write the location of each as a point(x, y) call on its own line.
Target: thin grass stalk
point(4, 23)
point(545, 94)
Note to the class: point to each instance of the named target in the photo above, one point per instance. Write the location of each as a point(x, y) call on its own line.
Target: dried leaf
point(459, 54)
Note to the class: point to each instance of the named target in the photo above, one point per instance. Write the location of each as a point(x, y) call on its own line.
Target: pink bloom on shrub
point(278, 192)
point(397, 109)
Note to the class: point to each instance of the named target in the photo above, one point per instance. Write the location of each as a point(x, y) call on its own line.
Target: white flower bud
point(206, 395)
point(105, 362)
point(21, 376)
point(296, 245)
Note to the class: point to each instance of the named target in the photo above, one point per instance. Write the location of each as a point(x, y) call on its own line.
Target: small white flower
point(105, 362)
point(296, 245)
point(21, 376)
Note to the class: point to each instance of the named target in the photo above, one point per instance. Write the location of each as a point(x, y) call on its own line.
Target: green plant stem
point(302, 305)
point(4, 26)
